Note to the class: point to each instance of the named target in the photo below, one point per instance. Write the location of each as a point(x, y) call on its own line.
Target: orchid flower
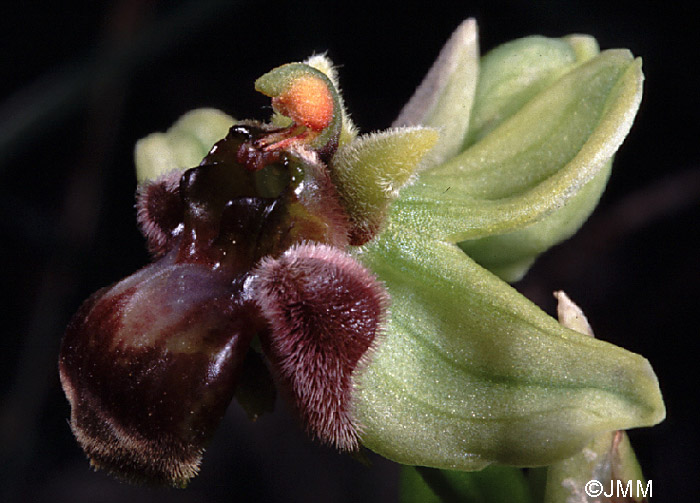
point(368, 272)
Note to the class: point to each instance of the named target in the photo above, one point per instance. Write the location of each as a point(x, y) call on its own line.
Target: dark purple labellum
point(149, 366)
point(226, 215)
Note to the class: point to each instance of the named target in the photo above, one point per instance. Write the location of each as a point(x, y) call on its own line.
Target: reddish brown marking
point(324, 311)
point(159, 212)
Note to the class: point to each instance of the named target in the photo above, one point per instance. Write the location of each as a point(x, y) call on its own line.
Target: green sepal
point(548, 161)
point(183, 146)
point(510, 255)
point(494, 484)
point(444, 98)
point(511, 75)
point(369, 171)
point(515, 72)
point(608, 458)
point(471, 373)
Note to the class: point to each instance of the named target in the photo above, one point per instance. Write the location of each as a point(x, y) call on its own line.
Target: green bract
point(469, 372)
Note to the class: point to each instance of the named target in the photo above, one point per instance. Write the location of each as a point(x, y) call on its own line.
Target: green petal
point(444, 98)
point(495, 484)
point(535, 163)
point(471, 373)
point(183, 146)
point(515, 72)
point(369, 171)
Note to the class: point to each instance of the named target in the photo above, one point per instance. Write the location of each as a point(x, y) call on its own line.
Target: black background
point(82, 81)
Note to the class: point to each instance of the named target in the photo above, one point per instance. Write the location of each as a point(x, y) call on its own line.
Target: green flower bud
point(535, 178)
point(182, 146)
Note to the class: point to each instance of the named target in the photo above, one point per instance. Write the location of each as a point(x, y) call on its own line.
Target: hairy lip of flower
point(468, 371)
point(250, 243)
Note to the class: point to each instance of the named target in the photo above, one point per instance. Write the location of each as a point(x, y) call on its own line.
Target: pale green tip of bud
point(183, 146)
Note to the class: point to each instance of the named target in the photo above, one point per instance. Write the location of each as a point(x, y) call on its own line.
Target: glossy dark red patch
point(149, 367)
point(150, 364)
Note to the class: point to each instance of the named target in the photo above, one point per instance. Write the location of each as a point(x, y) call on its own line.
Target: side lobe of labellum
point(149, 366)
point(159, 212)
point(324, 312)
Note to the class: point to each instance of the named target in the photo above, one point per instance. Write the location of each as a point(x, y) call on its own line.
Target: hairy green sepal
point(471, 373)
point(535, 178)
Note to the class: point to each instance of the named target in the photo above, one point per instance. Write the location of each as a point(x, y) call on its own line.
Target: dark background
point(82, 81)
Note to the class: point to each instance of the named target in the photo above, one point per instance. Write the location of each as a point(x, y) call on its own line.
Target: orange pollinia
point(308, 102)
